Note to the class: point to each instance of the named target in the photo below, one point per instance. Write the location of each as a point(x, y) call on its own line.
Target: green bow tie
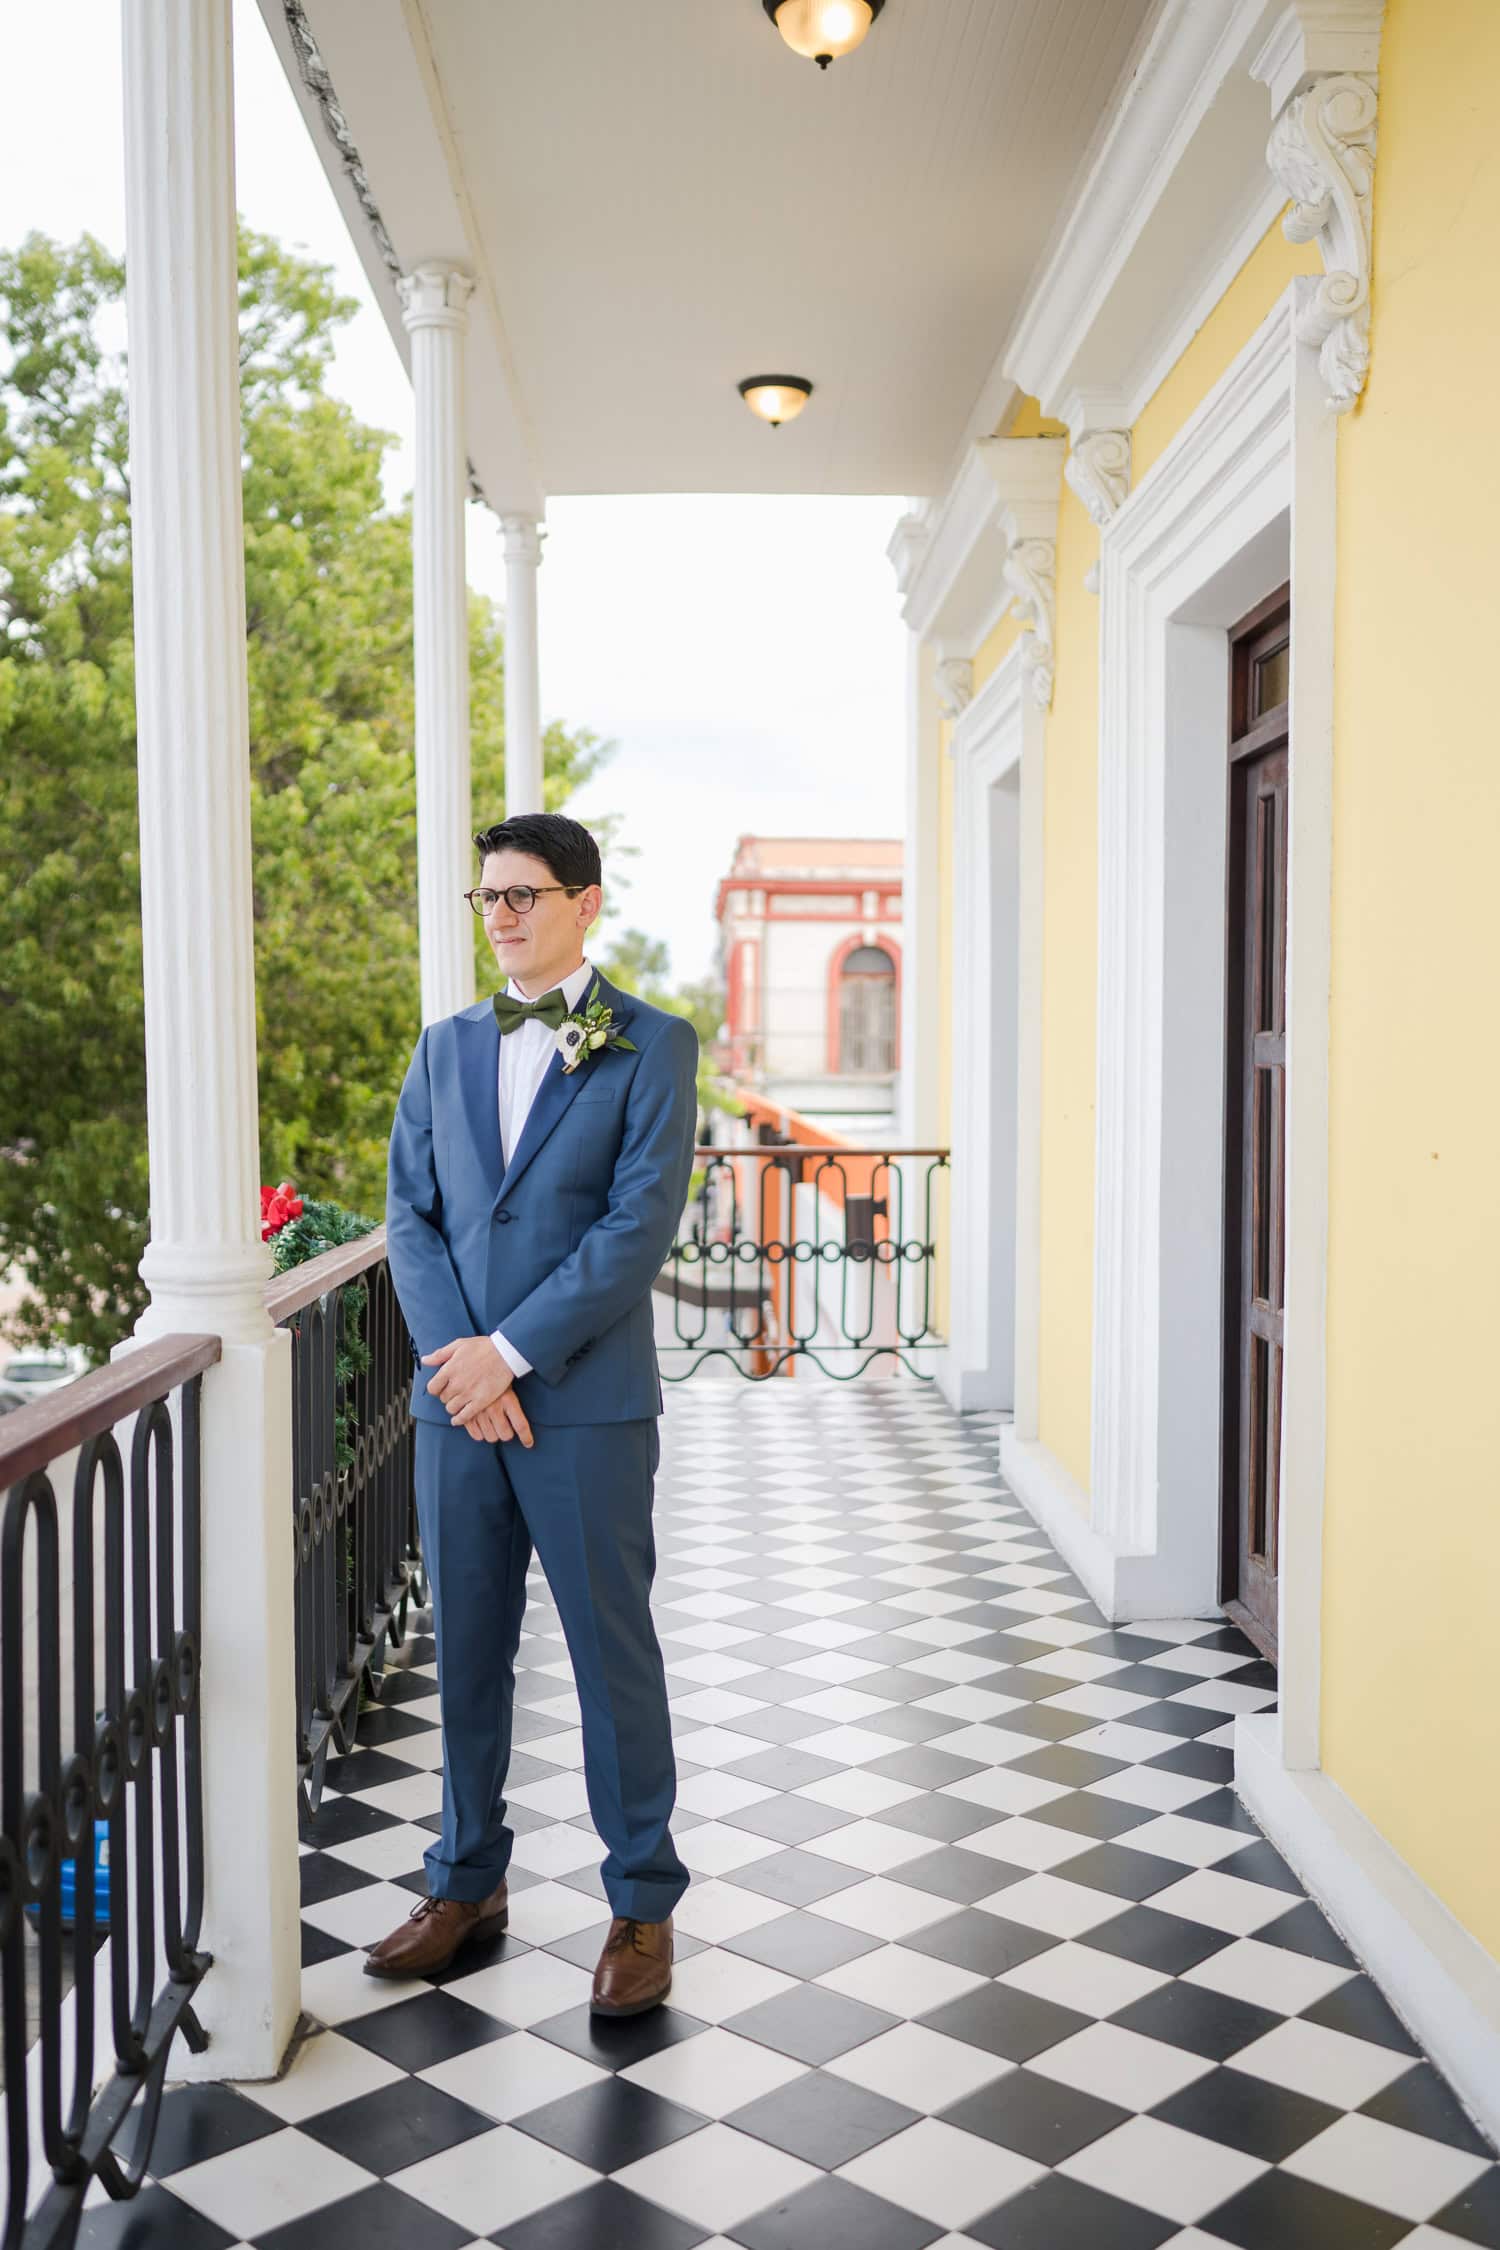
point(551, 1009)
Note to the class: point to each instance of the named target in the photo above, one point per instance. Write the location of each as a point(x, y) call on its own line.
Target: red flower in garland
point(277, 1206)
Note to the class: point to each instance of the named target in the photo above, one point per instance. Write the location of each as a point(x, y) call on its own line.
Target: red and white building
point(810, 947)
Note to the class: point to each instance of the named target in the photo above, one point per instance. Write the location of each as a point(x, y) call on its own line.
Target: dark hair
point(565, 845)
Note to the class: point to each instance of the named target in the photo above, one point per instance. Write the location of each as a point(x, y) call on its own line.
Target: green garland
point(327, 1226)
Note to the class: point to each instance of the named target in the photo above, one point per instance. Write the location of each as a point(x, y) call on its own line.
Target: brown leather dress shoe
point(635, 1968)
point(433, 1932)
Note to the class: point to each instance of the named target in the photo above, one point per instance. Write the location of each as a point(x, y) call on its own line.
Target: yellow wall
point(1070, 881)
point(1412, 1529)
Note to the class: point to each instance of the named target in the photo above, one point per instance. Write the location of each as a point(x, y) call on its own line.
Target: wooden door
point(1255, 1169)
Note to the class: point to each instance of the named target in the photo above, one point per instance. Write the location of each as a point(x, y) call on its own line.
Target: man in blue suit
point(538, 1170)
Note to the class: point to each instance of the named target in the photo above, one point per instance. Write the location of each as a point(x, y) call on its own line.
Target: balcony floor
point(981, 1947)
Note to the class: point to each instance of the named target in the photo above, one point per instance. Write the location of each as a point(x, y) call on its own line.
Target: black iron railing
point(796, 1253)
point(357, 1555)
point(101, 1786)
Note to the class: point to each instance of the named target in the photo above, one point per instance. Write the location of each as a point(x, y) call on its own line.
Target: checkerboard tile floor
point(980, 1949)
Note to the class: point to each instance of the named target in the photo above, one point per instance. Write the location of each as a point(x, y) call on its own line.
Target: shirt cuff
point(512, 1358)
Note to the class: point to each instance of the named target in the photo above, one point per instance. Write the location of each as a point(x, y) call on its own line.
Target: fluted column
point(205, 1265)
point(523, 695)
point(435, 302)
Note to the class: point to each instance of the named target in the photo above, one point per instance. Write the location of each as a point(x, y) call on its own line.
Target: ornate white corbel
point(955, 686)
point(1031, 574)
point(1098, 470)
point(1319, 63)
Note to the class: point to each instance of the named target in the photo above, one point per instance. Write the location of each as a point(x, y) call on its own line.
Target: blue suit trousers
point(581, 1496)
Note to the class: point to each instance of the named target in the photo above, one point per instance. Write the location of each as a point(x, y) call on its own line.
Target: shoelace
point(629, 1934)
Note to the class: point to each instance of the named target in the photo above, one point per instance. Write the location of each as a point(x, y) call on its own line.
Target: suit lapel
point(559, 1086)
point(479, 1076)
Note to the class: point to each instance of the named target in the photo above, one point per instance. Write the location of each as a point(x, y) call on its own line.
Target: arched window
point(867, 1012)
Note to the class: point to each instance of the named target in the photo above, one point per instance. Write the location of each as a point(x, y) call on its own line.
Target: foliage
point(318, 1227)
point(328, 600)
point(641, 964)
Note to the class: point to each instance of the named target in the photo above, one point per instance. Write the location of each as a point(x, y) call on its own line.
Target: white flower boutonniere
point(581, 1035)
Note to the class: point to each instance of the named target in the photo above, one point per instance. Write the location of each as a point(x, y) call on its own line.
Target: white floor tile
point(336, 1991)
point(716, 1746)
point(1148, 1786)
point(715, 1984)
point(250, 2190)
point(1197, 1843)
point(1328, 2065)
point(714, 1911)
point(545, 1911)
point(1179, 2175)
point(526, 1991)
point(866, 1794)
point(558, 1850)
point(901, 1982)
point(560, 1796)
point(1004, 1791)
point(717, 2178)
point(325, 2071)
point(709, 1705)
point(1268, 1976)
point(924, 2069)
point(493, 2180)
point(1034, 1844)
point(714, 1794)
point(1048, 1902)
point(1080, 1976)
point(870, 1845)
point(507, 2077)
point(1381, 2164)
point(713, 1670)
point(885, 1909)
point(390, 1851)
point(411, 1799)
point(1223, 1902)
point(713, 1849)
point(563, 1749)
point(1121, 2066)
point(941, 2173)
point(716, 2072)
point(970, 1703)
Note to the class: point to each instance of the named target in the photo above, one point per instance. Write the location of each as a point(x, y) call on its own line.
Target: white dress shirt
point(524, 1056)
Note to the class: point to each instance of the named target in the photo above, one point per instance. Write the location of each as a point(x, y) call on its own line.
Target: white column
point(205, 1266)
point(523, 695)
point(921, 904)
point(435, 303)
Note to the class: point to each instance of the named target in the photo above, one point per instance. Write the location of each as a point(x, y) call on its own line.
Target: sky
point(744, 654)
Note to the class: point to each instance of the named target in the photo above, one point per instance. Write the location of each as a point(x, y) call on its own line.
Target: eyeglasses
point(520, 897)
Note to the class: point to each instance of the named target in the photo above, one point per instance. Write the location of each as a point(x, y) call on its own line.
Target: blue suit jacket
point(560, 1247)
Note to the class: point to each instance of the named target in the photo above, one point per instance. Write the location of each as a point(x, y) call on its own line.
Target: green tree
point(328, 601)
point(642, 964)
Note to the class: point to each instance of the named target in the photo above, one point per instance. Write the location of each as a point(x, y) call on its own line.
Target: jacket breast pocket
point(609, 1090)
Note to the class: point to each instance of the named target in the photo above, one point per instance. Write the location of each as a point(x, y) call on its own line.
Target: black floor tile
point(615, 2042)
point(378, 2218)
point(397, 2125)
point(810, 2024)
point(955, 1874)
point(413, 2034)
point(1006, 2022)
point(153, 2220)
point(1423, 2102)
point(318, 1945)
point(835, 2215)
point(1169, 1942)
point(610, 2125)
point(196, 2122)
point(372, 1769)
point(1247, 2113)
point(1059, 1762)
point(1474, 2216)
point(790, 1820)
point(802, 1945)
point(923, 1766)
point(1204, 2022)
point(1260, 1862)
point(1196, 1761)
point(1361, 2009)
point(1280, 2212)
point(822, 2119)
point(344, 1820)
point(784, 1767)
point(1035, 2116)
point(606, 2217)
point(779, 1723)
point(985, 1943)
point(1305, 1930)
point(1058, 2214)
point(1122, 1872)
point(395, 1724)
point(944, 1819)
point(323, 1878)
point(1083, 1814)
point(1221, 1808)
point(907, 1724)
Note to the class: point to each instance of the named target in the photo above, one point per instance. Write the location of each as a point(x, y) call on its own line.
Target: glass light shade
point(775, 398)
point(823, 30)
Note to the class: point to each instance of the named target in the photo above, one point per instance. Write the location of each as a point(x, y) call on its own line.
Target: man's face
point(540, 946)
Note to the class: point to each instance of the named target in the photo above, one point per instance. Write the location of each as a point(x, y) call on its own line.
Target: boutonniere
point(582, 1034)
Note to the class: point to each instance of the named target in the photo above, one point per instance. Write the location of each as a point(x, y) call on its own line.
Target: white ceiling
point(658, 197)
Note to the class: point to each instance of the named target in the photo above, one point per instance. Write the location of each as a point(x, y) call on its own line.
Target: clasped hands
point(478, 1389)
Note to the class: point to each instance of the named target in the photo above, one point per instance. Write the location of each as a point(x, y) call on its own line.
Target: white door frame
point(996, 746)
point(1243, 498)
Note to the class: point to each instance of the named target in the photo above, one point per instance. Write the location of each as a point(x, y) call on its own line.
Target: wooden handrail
point(293, 1292)
point(68, 1417)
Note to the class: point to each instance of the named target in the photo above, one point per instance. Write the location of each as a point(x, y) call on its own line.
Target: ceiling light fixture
point(775, 398)
point(823, 30)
